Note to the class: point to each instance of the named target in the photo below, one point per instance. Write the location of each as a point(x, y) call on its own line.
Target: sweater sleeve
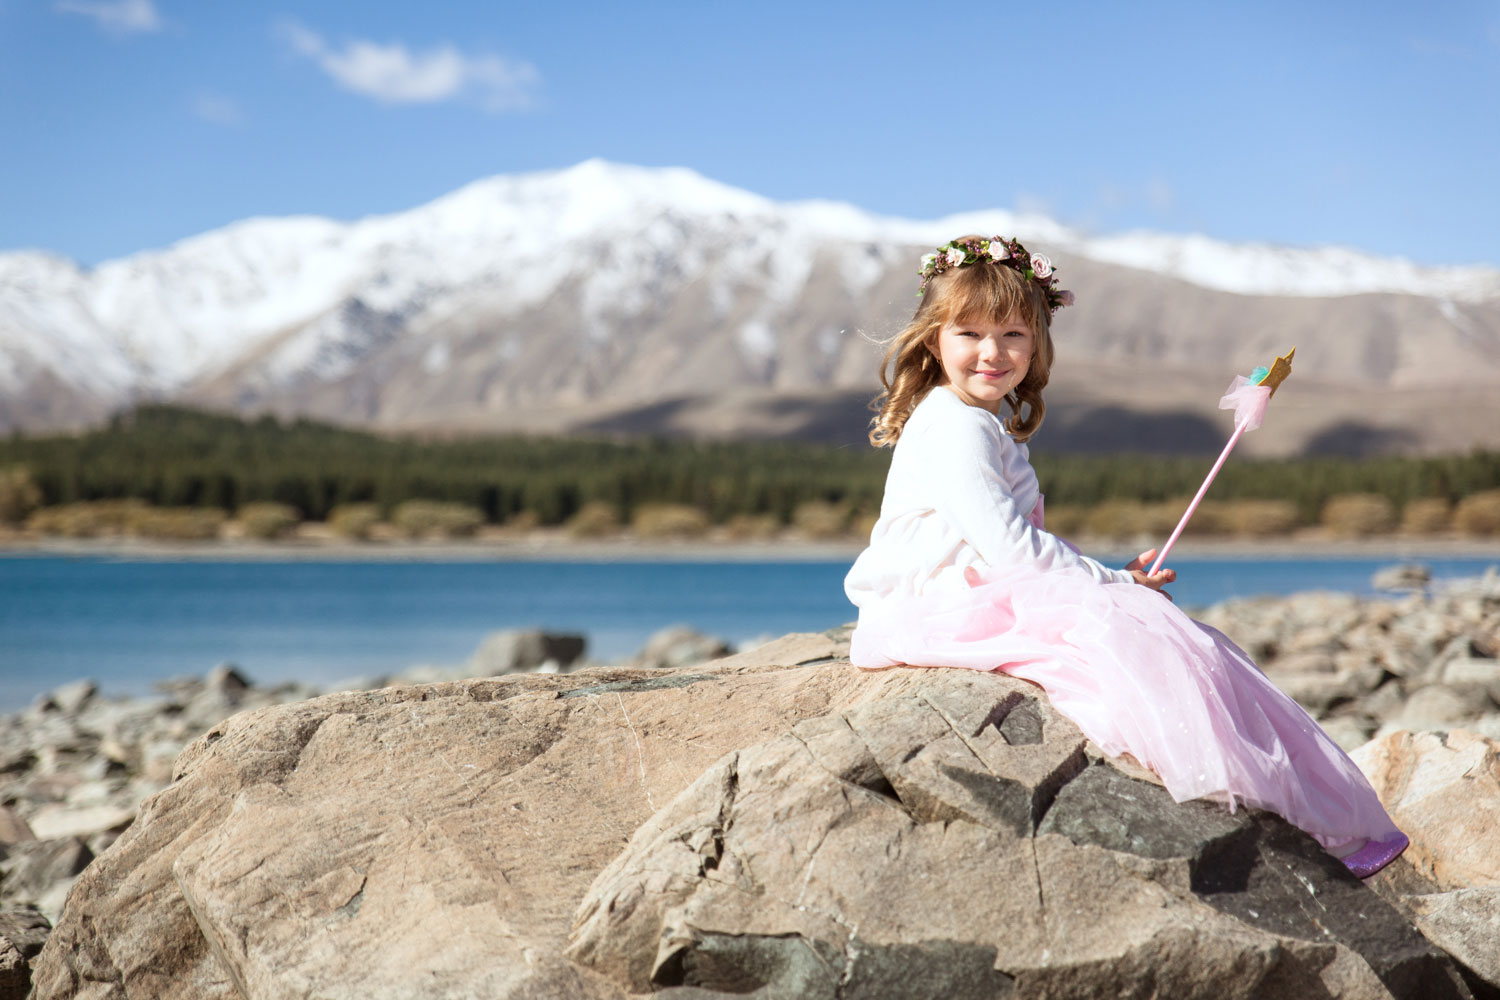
point(963, 460)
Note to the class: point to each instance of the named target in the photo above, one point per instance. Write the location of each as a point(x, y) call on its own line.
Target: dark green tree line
point(173, 456)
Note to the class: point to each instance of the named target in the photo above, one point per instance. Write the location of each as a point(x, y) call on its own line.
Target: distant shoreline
point(556, 548)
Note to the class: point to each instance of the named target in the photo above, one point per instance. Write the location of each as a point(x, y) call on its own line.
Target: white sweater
point(957, 496)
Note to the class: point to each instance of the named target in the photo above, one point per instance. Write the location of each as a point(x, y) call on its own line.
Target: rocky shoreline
point(1366, 667)
point(76, 767)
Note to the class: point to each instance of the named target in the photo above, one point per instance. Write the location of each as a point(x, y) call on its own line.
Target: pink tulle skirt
point(1139, 676)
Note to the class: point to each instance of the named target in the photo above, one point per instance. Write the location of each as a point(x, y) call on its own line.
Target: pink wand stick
point(1177, 531)
point(1248, 398)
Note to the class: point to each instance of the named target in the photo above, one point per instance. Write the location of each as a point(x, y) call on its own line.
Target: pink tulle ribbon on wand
point(1248, 398)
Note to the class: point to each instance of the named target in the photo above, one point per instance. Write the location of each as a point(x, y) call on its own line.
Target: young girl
point(960, 573)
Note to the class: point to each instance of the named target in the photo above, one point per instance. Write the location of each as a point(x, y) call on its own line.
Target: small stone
point(1472, 671)
point(1320, 693)
point(99, 768)
point(25, 927)
point(1384, 702)
point(179, 688)
point(157, 758)
point(14, 760)
point(23, 931)
point(33, 868)
point(54, 821)
point(1439, 707)
point(1314, 640)
point(1306, 661)
point(1402, 577)
point(1487, 726)
point(226, 680)
point(1348, 731)
point(679, 646)
point(519, 650)
point(13, 829)
point(68, 698)
point(115, 751)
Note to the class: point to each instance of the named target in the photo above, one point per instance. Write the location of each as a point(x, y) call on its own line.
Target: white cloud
point(217, 109)
point(394, 75)
point(120, 16)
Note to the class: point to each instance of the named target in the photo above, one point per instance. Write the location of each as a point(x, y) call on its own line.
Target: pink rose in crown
point(955, 256)
point(1041, 266)
point(998, 250)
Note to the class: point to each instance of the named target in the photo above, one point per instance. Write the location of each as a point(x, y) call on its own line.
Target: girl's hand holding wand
point(1156, 579)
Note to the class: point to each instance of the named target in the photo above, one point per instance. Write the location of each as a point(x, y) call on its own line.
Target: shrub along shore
point(171, 473)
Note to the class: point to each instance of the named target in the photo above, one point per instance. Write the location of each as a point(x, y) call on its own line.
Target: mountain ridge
point(604, 287)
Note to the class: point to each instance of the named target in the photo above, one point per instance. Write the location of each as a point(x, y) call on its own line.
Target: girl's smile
point(984, 361)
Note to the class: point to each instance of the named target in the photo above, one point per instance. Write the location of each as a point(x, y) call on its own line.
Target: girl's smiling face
point(984, 361)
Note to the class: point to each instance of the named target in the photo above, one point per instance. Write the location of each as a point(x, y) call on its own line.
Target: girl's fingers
point(1156, 581)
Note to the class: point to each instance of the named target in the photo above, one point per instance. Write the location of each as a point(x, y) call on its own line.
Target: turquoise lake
point(128, 622)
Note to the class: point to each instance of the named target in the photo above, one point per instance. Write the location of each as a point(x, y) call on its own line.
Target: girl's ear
point(932, 345)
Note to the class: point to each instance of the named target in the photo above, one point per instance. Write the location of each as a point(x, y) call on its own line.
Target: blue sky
point(128, 124)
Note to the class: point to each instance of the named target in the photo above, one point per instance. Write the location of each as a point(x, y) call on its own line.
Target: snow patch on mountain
point(308, 297)
point(1263, 269)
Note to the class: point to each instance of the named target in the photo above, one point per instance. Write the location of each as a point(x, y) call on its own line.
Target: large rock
point(776, 821)
point(958, 841)
point(1443, 791)
point(420, 841)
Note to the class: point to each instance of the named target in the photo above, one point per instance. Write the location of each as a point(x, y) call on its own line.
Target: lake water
point(128, 622)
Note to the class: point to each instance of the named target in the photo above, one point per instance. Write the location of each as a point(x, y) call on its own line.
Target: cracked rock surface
point(776, 824)
point(957, 839)
point(423, 841)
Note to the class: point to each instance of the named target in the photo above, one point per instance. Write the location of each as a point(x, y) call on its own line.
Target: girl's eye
point(967, 333)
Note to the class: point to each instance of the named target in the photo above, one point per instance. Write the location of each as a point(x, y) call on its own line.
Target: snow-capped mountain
point(553, 300)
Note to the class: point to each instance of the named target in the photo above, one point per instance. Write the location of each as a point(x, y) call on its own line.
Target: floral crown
point(998, 250)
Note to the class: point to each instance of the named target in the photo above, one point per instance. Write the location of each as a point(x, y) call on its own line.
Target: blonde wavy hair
point(983, 291)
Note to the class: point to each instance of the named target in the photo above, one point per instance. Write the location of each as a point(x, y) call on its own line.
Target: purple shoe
point(1375, 855)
